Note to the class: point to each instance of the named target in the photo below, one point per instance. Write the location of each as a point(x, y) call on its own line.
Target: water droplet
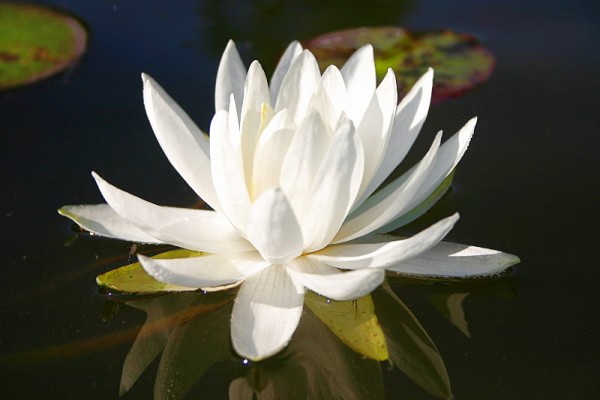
point(328, 301)
point(245, 361)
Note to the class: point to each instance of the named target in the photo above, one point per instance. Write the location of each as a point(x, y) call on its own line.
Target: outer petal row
point(457, 260)
point(199, 230)
point(186, 146)
point(387, 254)
point(104, 221)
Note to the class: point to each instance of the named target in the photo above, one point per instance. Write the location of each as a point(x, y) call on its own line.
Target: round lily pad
point(36, 42)
point(459, 60)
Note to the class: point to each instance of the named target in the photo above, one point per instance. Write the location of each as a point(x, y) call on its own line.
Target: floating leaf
point(354, 322)
point(36, 42)
point(459, 60)
point(133, 279)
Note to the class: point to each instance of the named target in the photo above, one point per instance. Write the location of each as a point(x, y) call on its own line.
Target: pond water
point(528, 185)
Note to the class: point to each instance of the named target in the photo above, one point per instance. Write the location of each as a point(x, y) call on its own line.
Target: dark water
point(528, 185)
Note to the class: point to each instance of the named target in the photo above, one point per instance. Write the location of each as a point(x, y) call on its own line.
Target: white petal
point(199, 230)
point(287, 59)
point(374, 128)
point(273, 228)
point(266, 313)
point(449, 155)
point(334, 189)
point(270, 153)
point(184, 144)
point(233, 125)
point(256, 97)
point(332, 283)
point(204, 271)
point(409, 118)
point(359, 75)
point(305, 154)
point(102, 220)
point(230, 78)
point(256, 91)
point(298, 86)
point(386, 254)
point(228, 171)
point(457, 260)
point(331, 97)
point(391, 201)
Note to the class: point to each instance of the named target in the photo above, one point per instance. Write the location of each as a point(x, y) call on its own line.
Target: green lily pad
point(36, 42)
point(354, 322)
point(133, 279)
point(459, 60)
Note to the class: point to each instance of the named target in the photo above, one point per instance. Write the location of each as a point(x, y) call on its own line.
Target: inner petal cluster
point(299, 138)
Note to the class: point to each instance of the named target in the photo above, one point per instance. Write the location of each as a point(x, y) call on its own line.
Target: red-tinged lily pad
point(459, 60)
point(36, 42)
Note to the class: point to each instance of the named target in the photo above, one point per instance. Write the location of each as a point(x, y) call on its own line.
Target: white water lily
point(291, 171)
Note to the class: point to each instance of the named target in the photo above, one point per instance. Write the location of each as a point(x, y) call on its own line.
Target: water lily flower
point(291, 172)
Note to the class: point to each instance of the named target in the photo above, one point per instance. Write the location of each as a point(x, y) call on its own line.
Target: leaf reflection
point(191, 330)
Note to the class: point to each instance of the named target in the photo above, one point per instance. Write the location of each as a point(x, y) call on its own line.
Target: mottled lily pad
point(459, 60)
point(36, 42)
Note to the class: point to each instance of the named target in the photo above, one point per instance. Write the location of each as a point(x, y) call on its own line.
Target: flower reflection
point(191, 331)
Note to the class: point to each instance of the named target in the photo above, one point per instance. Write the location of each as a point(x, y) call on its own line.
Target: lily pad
point(133, 279)
point(459, 60)
point(36, 42)
point(354, 322)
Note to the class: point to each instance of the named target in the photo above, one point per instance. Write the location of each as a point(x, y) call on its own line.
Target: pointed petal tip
point(66, 211)
point(147, 81)
point(230, 43)
point(367, 47)
point(390, 72)
point(425, 82)
point(99, 180)
point(511, 260)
